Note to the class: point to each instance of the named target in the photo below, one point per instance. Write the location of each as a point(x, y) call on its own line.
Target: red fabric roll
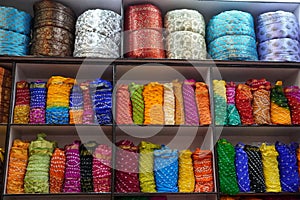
point(243, 100)
point(124, 108)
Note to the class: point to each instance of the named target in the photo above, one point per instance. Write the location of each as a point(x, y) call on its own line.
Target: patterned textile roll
point(72, 171)
point(127, 164)
point(88, 112)
point(137, 99)
point(288, 168)
point(220, 101)
point(37, 172)
point(38, 98)
point(261, 100)
point(233, 117)
point(227, 172)
point(292, 93)
point(153, 98)
point(280, 111)
point(270, 167)
point(203, 170)
point(57, 170)
point(241, 166)
point(184, 20)
point(203, 103)
point(190, 107)
point(257, 181)
point(243, 100)
point(22, 103)
point(186, 45)
point(186, 180)
point(179, 107)
point(76, 105)
point(102, 168)
point(146, 160)
point(166, 169)
point(169, 104)
point(18, 159)
point(123, 105)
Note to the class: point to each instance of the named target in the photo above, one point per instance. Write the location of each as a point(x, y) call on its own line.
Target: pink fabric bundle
point(124, 108)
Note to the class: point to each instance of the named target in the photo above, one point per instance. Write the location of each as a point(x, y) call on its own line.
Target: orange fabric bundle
point(203, 103)
point(203, 170)
point(57, 170)
point(18, 160)
point(179, 108)
point(76, 116)
point(153, 97)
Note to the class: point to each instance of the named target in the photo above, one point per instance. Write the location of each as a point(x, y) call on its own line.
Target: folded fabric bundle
point(203, 103)
point(179, 106)
point(38, 98)
point(76, 105)
point(242, 170)
point(233, 117)
point(124, 108)
point(292, 94)
point(186, 180)
point(137, 100)
point(243, 100)
point(88, 112)
point(57, 170)
point(169, 104)
point(220, 101)
point(190, 107)
point(22, 103)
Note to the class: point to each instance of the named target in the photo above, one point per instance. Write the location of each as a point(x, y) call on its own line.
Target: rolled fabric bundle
point(88, 112)
point(18, 159)
point(220, 100)
point(233, 117)
point(242, 170)
point(38, 98)
point(153, 98)
point(244, 100)
point(185, 45)
point(101, 95)
point(50, 48)
point(102, 168)
point(278, 24)
point(55, 34)
point(22, 103)
point(280, 111)
point(166, 169)
point(184, 20)
point(86, 166)
point(124, 108)
point(146, 168)
point(288, 168)
point(169, 104)
point(282, 49)
point(137, 100)
point(292, 94)
point(57, 170)
point(186, 180)
point(270, 167)
point(227, 171)
point(257, 180)
point(37, 172)
point(72, 171)
point(261, 100)
point(76, 105)
point(232, 22)
point(179, 106)
point(190, 107)
point(127, 163)
point(203, 103)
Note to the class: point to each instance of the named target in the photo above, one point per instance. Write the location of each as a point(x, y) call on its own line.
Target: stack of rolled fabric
point(5, 90)
point(137, 100)
point(185, 34)
point(243, 100)
point(233, 117)
point(15, 29)
point(98, 34)
point(123, 105)
point(22, 103)
point(57, 170)
point(278, 36)
point(144, 37)
point(37, 172)
point(292, 93)
point(203, 103)
point(88, 113)
point(18, 159)
point(230, 35)
point(58, 96)
point(186, 180)
point(220, 100)
point(54, 26)
point(76, 105)
point(101, 95)
point(102, 168)
point(38, 98)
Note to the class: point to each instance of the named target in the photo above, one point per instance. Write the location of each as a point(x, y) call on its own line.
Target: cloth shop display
point(5, 91)
point(76, 105)
point(38, 98)
point(22, 103)
point(233, 117)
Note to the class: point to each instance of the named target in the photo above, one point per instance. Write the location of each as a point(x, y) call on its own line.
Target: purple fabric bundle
point(190, 107)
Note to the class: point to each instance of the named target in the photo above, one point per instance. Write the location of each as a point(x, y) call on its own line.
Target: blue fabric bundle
point(57, 115)
point(166, 169)
point(241, 166)
point(76, 98)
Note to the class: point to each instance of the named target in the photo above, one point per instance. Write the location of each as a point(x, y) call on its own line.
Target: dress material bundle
point(123, 105)
point(243, 100)
point(54, 26)
point(57, 170)
point(233, 117)
point(278, 36)
point(230, 35)
point(186, 180)
point(22, 103)
point(190, 107)
point(38, 98)
point(203, 103)
point(220, 100)
point(242, 169)
point(15, 29)
point(98, 34)
point(179, 106)
point(169, 104)
point(137, 101)
point(88, 111)
point(5, 91)
point(292, 94)
point(143, 37)
point(76, 105)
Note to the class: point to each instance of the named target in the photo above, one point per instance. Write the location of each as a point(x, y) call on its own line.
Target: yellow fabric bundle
point(169, 104)
point(186, 181)
point(179, 108)
point(153, 97)
point(21, 114)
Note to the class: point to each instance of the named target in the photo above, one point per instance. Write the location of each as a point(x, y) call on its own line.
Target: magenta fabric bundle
point(292, 93)
point(190, 107)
